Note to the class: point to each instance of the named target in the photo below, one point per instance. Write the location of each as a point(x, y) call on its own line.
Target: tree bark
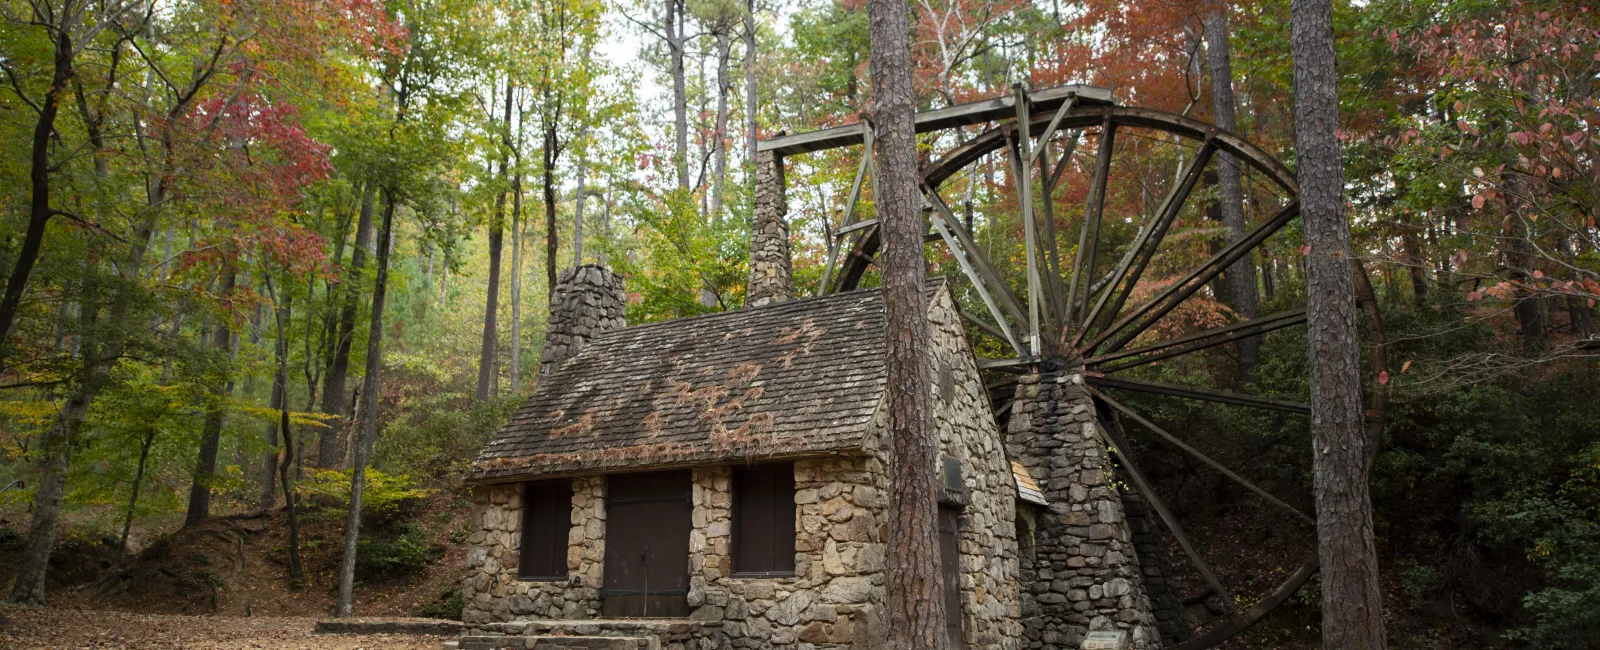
point(680, 97)
point(517, 242)
point(578, 196)
point(487, 375)
point(750, 127)
point(1352, 605)
point(211, 431)
point(280, 383)
point(369, 414)
point(1241, 277)
point(331, 440)
point(552, 153)
point(915, 591)
point(279, 401)
point(138, 480)
point(719, 172)
point(39, 211)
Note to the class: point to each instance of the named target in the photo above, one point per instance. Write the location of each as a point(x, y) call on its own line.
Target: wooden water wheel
point(1094, 302)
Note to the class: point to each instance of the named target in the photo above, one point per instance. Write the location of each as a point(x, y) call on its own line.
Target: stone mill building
point(722, 482)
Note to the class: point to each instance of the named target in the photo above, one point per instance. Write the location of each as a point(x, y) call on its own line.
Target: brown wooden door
point(647, 546)
point(950, 565)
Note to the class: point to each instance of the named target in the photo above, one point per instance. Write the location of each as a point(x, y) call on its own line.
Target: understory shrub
point(380, 557)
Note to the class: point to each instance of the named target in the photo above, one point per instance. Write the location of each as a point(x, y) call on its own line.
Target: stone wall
point(992, 608)
point(1085, 570)
point(588, 299)
point(491, 591)
point(771, 275)
point(835, 597)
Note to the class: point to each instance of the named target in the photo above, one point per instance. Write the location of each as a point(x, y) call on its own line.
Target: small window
point(546, 519)
point(763, 520)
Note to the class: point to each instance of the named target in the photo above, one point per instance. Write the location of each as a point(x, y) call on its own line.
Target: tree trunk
point(552, 153)
point(1352, 605)
point(211, 431)
point(915, 590)
point(719, 172)
point(516, 265)
point(680, 97)
point(331, 440)
point(369, 414)
point(487, 375)
point(279, 401)
point(280, 382)
point(750, 127)
point(39, 211)
point(578, 196)
point(1241, 277)
point(138, 480)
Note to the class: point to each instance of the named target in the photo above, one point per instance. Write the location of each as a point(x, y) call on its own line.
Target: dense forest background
point(249, 240)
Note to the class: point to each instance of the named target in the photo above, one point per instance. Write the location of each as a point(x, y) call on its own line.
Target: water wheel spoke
point(1197, 341)
point(1089, 234)
point(1148, 314)
point(1118, 448)
point(1235, 477)
point(1132, 268)
point(983, 274)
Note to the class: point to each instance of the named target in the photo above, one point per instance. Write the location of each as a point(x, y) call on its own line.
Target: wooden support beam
point(849, 211)
point(1022, 177)
point(1118, 449)
point(979, 112)
point(950, 230)
point(1201, 457)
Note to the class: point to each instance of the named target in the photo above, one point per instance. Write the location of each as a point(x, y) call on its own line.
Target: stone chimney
point(771, 275)
point(588, 300)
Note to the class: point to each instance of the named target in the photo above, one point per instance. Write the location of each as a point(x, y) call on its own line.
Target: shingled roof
point(791, 379)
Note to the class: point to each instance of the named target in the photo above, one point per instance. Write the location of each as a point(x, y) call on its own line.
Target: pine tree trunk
point(331, 440)
point(719, 172)
point(369, 415)
point(680, 96)
point(1352, 605)
point(1241, 277)
point(211, 431)
point(750, 81)
point(915, 593)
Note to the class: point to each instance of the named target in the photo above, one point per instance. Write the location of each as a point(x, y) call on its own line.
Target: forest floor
point(238, 566)
point(30, 628)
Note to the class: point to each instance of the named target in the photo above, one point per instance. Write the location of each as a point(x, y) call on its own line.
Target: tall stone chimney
point(588, 300)
point(771, 274)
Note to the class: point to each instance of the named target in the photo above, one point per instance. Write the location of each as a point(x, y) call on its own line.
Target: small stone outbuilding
point(730, 471)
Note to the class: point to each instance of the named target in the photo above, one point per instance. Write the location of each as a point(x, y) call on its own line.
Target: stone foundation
point(1085, 568)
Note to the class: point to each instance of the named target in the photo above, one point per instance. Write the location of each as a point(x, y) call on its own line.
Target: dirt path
point(35, 628)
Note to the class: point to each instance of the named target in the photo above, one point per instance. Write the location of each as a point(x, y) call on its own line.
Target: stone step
point(551, 643)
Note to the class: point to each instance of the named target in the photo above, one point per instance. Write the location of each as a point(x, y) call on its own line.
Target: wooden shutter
point(763, 520)
point(546, 520)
